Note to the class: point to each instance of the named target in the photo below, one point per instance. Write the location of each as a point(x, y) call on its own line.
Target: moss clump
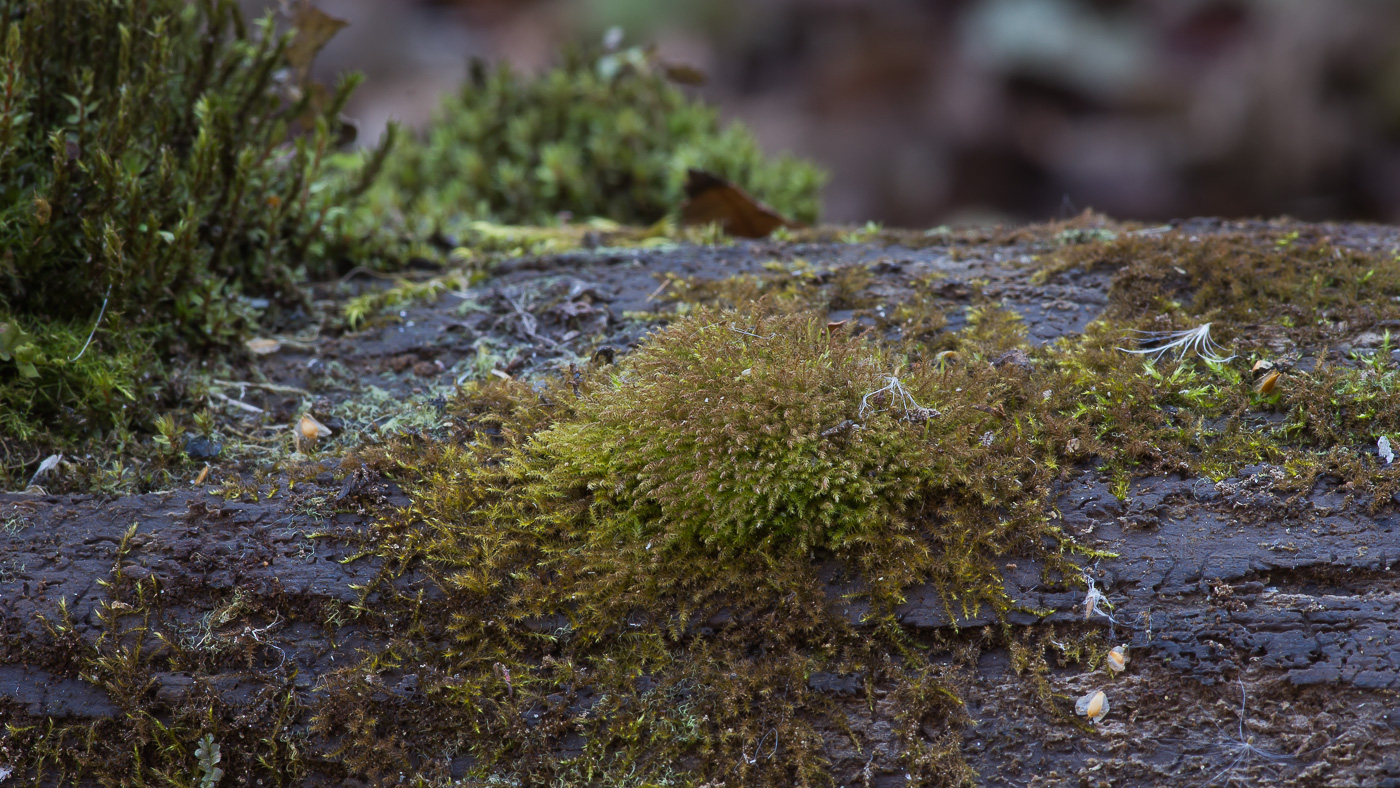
point(652, 545)
point(603, 134)
point(771, 434)
point(145, 155)
point(148, 175)
point(149, 741)
point(1305, 287)
point(92, 390)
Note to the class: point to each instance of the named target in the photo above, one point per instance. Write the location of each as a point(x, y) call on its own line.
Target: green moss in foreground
point(633, 575)
point(642, 567)
point(647, 551)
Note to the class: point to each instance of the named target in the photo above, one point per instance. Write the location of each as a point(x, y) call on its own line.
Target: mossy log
point(528, 591)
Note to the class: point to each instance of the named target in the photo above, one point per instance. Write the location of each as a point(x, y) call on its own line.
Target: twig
point(528, 322)
point(275, 428)
point(749, 333)
point(93, 333)
point(273, 387)
point(236, 402)
point(659, 290)
point(359, 269)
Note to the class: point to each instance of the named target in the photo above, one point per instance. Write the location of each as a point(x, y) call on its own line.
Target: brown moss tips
point(1306, 286)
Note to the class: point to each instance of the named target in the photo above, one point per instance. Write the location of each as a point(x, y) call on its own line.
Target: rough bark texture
point(1263, 628)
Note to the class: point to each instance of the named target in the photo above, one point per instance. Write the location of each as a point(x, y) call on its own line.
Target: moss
point(604, 134)
point(157, 179)
point(740, 445)
point(100, 390)
point(148, 742)
point(165, 204)
point(1271, 297)
point(676, 519)
point(1303, 288)
point(632, 574)
point(648, 551)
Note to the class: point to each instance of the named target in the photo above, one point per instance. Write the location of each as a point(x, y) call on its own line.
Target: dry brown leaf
point(314, 29)
point(710, 198)
point(683, 75)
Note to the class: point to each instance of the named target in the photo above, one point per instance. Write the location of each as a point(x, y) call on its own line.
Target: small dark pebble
point(198, 447)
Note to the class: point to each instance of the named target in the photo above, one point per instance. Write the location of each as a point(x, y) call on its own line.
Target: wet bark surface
point(1263, 628)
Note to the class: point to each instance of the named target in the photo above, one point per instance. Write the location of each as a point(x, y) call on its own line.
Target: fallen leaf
point(710, 198)
point(683, 74)
point(314, 29)
point(262, 347)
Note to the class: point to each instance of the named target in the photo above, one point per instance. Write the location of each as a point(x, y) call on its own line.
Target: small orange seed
point(1093, 705)
point(1268, 383)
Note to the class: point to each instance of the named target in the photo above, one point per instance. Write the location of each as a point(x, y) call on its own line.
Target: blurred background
point(965, 111)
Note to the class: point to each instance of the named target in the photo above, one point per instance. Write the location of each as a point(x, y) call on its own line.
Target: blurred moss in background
point(606, 133)
point(990, 109)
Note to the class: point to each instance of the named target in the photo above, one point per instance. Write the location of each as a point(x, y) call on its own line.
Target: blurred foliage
point(158, 161)
point(602, 135)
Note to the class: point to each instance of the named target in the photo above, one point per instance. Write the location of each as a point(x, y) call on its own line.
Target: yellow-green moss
point(1303, 287)
point(678, 517)
point(630, 569)
point(591, 532)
